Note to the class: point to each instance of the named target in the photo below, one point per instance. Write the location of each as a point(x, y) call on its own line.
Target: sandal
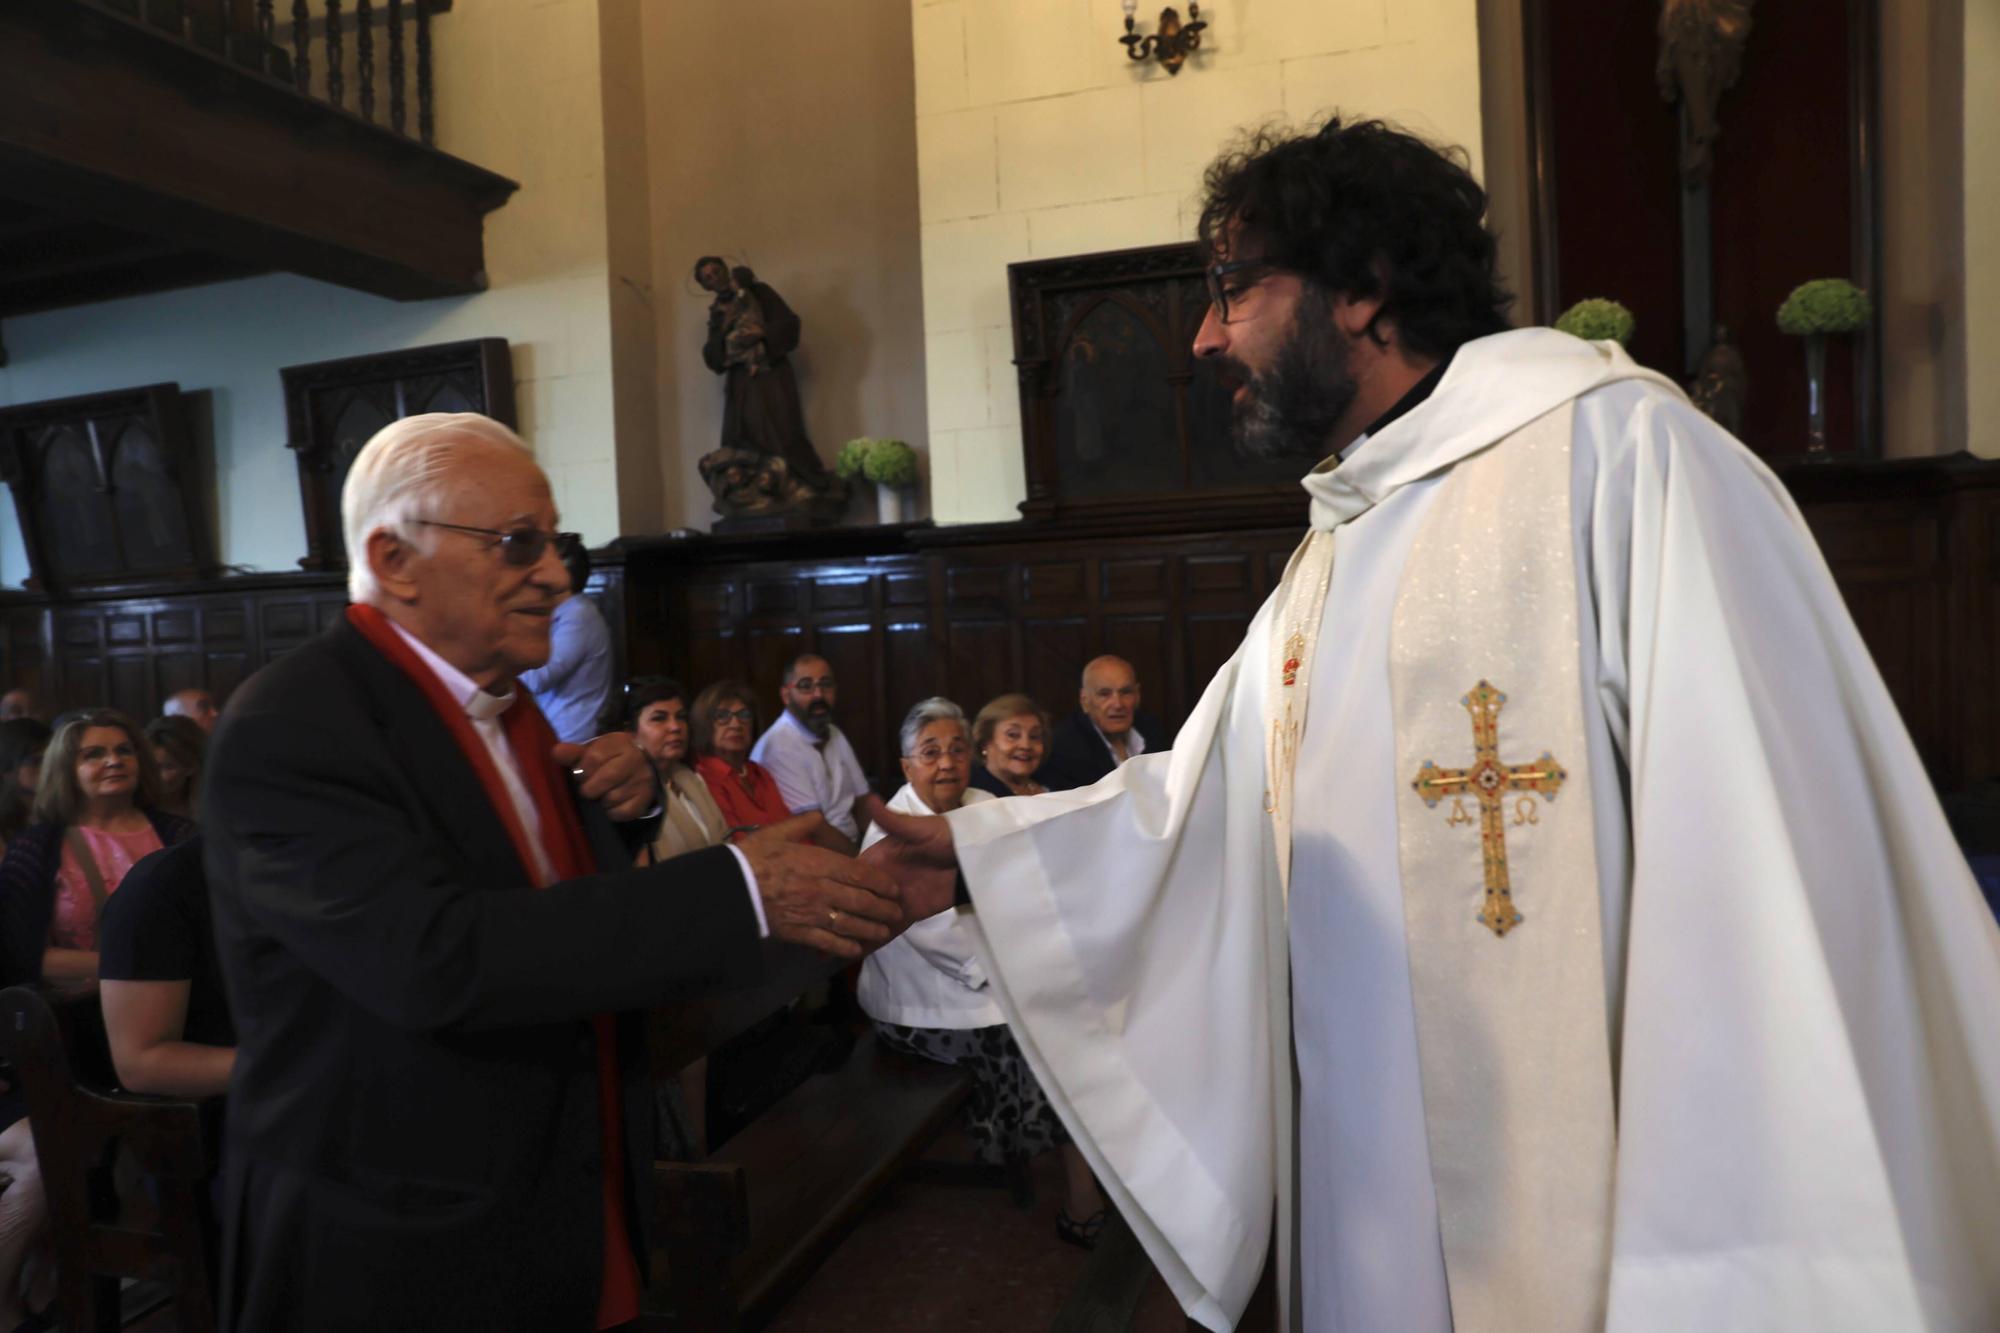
point(1082, 1234)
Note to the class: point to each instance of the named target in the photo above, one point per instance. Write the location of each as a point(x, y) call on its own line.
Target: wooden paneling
point(972, 613)
point(1893, 563)
point(966, 620)
point(132, 647)
point(1053, 651)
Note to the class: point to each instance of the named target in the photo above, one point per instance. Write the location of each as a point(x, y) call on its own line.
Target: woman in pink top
point(95, 815)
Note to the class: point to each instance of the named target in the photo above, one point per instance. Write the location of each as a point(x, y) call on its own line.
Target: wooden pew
point(738, 1233)
point(55, 1040)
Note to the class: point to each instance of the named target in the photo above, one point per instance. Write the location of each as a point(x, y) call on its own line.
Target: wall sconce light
point(1174, 41)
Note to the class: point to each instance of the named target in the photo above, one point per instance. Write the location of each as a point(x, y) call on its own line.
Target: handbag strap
point(86, 861)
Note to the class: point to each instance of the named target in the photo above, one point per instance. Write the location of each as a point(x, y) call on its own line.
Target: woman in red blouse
point(725, 724)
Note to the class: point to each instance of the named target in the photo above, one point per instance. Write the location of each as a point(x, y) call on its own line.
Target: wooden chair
point(57, 1046)
point(739, 1233)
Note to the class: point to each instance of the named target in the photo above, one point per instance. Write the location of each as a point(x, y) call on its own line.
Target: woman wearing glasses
point(929, 995)
point(724, 725)
point(656, 712)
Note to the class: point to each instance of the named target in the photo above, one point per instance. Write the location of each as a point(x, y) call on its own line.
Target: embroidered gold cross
point(1487, 781)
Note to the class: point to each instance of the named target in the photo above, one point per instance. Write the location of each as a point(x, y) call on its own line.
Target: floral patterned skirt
point(1009, 1114)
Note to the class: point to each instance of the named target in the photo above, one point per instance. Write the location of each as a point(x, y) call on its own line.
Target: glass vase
point(1816, 396)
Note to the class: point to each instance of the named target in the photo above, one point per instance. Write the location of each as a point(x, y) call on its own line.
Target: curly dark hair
point(1365, 210)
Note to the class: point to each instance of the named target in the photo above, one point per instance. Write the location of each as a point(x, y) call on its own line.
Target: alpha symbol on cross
point(1488, 781)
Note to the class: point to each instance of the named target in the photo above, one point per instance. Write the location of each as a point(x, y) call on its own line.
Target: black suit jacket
point(1078, 756)
point(413, 1136)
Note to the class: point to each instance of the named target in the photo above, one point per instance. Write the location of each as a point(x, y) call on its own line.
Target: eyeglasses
point(723, 715)
point(931, 754)
point(1220, 296)
point(519, 547)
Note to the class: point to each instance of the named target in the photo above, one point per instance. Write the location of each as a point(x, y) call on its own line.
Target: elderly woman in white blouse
point(929, 996)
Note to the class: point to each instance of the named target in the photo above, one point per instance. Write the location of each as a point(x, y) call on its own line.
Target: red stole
point(530, 738)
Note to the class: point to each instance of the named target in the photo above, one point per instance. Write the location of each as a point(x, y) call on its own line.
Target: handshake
point(841, 905)
point(849, 906)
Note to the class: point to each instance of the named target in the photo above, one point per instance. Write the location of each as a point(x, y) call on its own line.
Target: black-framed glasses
point(520, 547)
point(722, 715)
point(1219, 294)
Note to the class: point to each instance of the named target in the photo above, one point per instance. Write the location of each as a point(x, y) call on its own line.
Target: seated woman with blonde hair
point(929, 995)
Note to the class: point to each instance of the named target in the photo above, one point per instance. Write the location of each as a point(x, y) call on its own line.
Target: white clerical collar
point(479, 704)
point(1495, 386)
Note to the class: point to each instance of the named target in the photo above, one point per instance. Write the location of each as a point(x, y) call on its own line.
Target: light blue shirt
point(576, 684)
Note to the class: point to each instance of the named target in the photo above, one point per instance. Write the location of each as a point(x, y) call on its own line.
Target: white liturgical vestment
point(1629, 973)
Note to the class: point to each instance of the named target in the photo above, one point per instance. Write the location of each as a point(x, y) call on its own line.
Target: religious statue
point(1701, 55)
point(766, 466)
point(1722, 383)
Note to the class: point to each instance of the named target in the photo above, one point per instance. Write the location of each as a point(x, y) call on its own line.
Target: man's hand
point(614, 770)
point(917, 853)
point(822, 899)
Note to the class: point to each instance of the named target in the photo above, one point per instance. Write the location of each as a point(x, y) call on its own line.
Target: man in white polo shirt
point(813, 763)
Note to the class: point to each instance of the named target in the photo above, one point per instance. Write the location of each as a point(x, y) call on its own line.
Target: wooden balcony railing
point(318, 46)
point(151, 144)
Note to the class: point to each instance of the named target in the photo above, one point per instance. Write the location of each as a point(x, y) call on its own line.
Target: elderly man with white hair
point(434, 938)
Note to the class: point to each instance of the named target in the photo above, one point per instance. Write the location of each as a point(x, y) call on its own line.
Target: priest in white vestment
point(1543, 919)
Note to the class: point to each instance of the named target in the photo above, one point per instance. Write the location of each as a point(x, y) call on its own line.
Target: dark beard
point(1291, 410)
